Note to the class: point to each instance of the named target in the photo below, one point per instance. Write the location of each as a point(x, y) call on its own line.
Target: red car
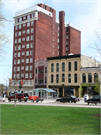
point(35, 98)
point(19, 96)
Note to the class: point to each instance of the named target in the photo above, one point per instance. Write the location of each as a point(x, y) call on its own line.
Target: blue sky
point(84, 14)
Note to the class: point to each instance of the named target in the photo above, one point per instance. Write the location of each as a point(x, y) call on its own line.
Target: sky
point(85, 14)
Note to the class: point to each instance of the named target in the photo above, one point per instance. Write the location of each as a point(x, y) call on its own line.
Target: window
point(35, 80)
point(27, 68)
point(69, 78)
point(15, 41)
point(36, 70)
point(19, 54)
point(30, 67)
point(23, 53)
point(30, 75)
point(26, 75)
point(14, 61)
point(32, 22)
point(28, 31)
point(52, 67)
point(40, 81)
point(22, 60)
point(27, 53)
point(27, 45)
point(58, 53)
point(58, 46)
point(31, 60)
point(28, 24)
point(57, 78)
point(58, 33)
point(18, 62)
point(22, 75)
point(31, 37)
point(69, 66)
point(84, 78)
point(66, 48)
point(75, 78)
point(18, 68)
point(31, 83)
point(57, 67)
point(22, 68)
point(75, 65)
point(23, 39)
point(15, 48)
point(95, 77)
point(24, 25)
point(28, 38)
point(31, 45)
point(45, 79)
point(19, 40)
point(26, 83)
point(89, 77)
point(16, 20)
point(19, 47)
point(14, 68)
point(31, 52)
point(16, 27)
point(63, 66)
point(27, 60)
point(23, 46)
point(20, 19)
point(20, 26)
point(24, 17)
point(15, 55)
point(31, 30)
point(17, 75)
point(58, 40)
point(14, 75)
point(67, 42)
point(33, 15)
point(23, 31)
point(51, 78)
point(67, 36)
point(28, 17)
point(45, 69)
point(16, 34)
point(63, 77)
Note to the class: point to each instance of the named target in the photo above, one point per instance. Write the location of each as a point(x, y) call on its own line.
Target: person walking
point(85, 97)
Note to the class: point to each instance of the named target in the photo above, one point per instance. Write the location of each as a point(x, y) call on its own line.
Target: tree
point(3, 37)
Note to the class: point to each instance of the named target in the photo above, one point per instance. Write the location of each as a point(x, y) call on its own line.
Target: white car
point(2, 99)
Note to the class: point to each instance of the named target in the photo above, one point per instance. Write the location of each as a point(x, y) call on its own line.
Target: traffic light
point(21, 83)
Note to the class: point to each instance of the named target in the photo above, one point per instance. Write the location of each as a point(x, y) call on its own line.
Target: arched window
point(57, 78)
point(63, 66)
point(57, 67)
point(89, 77)
point(69, 78)
point(52, 78)
point(84, 78)
point(52, 67)
point(75, 78)
point(95, 77)
point(63, 77)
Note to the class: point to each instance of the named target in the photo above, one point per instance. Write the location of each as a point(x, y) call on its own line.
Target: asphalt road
point(54, 103)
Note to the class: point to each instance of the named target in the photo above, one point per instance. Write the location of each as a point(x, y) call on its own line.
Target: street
point(52, 102)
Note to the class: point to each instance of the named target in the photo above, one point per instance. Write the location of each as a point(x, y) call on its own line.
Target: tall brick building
point(38, 35)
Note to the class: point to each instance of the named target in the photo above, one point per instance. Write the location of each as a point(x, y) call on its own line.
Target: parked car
point(35, 98)
point(69, 99)
point(2, 99)
point(96, 99)
point(19, 96)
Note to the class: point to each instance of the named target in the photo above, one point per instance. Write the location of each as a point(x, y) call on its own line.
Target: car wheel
point(19, 100)
point(74, 102)
point(25, 100)
point(9, 100)
point(36, 101)
point(32, 100)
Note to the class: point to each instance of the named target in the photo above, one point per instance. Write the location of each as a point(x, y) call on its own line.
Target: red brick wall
point(44, 36)
point(75, 41)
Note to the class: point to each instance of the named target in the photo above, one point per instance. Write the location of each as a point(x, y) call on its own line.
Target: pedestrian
point(57, 95)
point(85, 97)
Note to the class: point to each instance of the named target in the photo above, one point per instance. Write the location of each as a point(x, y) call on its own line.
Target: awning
point(48, 90)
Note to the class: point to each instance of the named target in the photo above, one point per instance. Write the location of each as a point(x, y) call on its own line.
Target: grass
point(49, 120)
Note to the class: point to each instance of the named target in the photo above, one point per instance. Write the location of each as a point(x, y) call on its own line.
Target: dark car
point(69, 99)
point(96, 99)
point(19, 96)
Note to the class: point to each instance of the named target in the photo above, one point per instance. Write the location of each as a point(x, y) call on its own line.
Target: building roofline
point(64, 57)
